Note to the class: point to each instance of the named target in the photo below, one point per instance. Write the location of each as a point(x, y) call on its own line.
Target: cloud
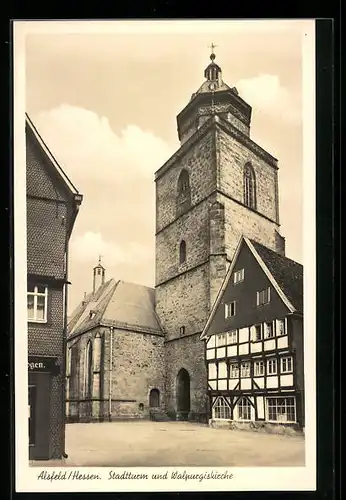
point(88, 149)
point(115, 174)
point(86, 248)
point(268, 96)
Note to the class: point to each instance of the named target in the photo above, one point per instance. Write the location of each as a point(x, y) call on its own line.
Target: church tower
point(218, 186)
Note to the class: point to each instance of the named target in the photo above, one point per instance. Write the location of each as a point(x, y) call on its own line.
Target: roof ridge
point(64, 177)
point(274, 252)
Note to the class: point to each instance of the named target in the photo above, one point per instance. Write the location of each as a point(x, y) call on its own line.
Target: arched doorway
point(154, 398)
point(183, 395)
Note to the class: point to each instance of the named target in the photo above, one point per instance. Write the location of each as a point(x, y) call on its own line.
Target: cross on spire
point(212, 47)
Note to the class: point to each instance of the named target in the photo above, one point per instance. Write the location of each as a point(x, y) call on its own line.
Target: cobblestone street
point(152, 444)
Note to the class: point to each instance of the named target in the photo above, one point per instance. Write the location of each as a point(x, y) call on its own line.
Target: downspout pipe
point(63, 365)
point(110, 372)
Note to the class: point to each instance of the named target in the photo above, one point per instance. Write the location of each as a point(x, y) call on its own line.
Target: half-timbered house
point(254, 340)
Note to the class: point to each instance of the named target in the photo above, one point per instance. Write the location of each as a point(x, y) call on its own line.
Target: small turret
point(98, 276)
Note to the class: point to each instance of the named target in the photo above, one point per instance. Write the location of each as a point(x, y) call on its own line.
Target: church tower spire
point(212, 72)
point(214, 97)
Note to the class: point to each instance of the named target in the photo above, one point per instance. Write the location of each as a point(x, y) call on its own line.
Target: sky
point(105, 97)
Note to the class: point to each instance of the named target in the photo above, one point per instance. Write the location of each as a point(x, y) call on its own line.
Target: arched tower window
point(88, 370)
point(182, 252)
point(249, 186)
point(183, 192)
point(183, 182)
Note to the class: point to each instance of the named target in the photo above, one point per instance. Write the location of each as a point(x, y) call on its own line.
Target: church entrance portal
point(154, 398)
point(183, 395)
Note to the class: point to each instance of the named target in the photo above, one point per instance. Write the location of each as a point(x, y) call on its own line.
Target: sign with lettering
point(43, 364)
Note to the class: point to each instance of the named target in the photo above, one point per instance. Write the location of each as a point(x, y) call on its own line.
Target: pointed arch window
point(183, 182)
point(249, 186)
point(88, 370)
point(183, 192)
point(182, 252)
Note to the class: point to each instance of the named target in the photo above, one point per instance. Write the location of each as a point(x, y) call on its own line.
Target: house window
point(249, 186)
point(232, 337)
point(258, 368)
point(272, 368)
point(258, 332)
point(238, 276)
point(286, 364)
point(282, 410)
point(182, 252)
point(245, 370)
point(37, 303)
point(221, 410)
point(280, 327)
point(233, 370)
point(263, 297)
point(230, 309)
point(220, 340)
point(269, 330)
point(244, 409)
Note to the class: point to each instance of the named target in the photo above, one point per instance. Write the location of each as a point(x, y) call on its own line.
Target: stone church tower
point(218, 186)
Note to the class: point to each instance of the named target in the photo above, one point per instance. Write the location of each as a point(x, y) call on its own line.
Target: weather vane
point(100, 256)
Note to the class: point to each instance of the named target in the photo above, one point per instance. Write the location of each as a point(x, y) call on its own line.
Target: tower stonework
point(218, 186)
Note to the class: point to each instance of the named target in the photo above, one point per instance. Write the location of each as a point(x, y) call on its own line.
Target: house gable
point(41, 179)
point(244, 293)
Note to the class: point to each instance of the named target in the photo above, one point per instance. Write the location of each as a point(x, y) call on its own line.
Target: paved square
point(151, 444)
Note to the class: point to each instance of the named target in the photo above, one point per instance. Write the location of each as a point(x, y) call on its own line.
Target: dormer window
point(92, 314)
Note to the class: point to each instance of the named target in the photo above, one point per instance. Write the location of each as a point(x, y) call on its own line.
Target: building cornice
point(210, 195)
point(229, 129)
point(182, 337)
point(184, 148)
point(117, 325)
point(246, 141)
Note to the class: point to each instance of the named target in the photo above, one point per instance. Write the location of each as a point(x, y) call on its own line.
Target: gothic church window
point(88, 380)
point(183, 192)
point(249, 186)
point(183, 182)
point(182, 252)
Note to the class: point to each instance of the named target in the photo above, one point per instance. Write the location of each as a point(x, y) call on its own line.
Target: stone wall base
point(258, 426)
